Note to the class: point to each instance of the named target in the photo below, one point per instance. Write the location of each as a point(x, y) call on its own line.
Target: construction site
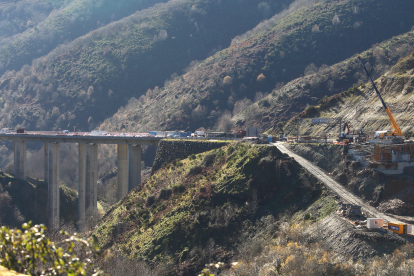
point(377, 168)
point(386, 151)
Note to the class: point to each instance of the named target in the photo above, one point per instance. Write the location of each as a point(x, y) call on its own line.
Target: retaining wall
point(170, 150)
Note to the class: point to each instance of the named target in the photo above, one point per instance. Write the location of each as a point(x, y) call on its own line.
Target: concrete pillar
point(46, 159)
point(20, 160)
point(122, 189)
point(87, 186)
point(81, 186)
point(91, 180)
point(134, 166)
point(53, 176)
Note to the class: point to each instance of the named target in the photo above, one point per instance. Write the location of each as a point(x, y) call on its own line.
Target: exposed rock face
point(171, 150)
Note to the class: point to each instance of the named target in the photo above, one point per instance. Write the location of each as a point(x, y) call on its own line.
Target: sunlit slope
point(60, 25)
point(327, 33)
point(188, 206)
point(294, 97)
point(361, 107)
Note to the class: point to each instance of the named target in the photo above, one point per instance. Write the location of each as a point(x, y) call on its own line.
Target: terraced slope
point(297, 95)
point(362, 108)
point(206, 95)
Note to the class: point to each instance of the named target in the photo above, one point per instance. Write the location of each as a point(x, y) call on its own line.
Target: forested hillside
point(223, 84)
point(81, 83)
point(34, 28)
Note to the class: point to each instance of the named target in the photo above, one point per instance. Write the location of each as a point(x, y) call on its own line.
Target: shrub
point(33, 252)
point(261, 78)
point(165, 193)
point(178, 189)
point(208, 159)
point(227, 80)
point(195, 170)
point(149, 200)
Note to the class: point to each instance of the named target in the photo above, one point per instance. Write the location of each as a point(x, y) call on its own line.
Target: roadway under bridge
point(129, 166)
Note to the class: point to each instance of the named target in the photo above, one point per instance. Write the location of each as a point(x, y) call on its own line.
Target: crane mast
point(396, 131)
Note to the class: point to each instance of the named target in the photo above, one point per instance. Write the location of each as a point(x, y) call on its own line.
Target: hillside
point(321, 83)
point(34, 28)
point(23, 201)
point(85, 81)
point(196, 210)
point(361, 107)
point(228, 81)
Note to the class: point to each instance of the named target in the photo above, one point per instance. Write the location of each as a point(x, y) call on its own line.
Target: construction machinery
point(346, 136)
point(395, 136)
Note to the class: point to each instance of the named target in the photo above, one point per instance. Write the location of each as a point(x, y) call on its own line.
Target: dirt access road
point(346, 195)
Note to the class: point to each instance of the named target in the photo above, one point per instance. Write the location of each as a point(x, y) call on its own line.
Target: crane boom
point(396, 131)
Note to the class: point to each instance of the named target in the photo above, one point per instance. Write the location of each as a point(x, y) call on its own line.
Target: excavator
point(346, 136)
point(396, 133)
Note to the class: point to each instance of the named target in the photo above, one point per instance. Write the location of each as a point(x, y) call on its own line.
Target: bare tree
point(311, 69)
point(224, 122)
point(315, 29)
point(336, 20)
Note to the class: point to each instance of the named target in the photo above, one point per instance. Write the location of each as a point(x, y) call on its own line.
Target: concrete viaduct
point(129, 166)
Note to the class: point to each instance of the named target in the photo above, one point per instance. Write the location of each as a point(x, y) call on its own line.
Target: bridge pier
point(20, 159)
point(134, 166)
point(129, 168)
point(52, 178)
point(122, 188)
point(88, 178)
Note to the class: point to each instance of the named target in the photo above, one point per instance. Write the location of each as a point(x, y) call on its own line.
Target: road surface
point(346, 195)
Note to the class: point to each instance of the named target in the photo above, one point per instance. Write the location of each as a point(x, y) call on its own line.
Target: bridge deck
point(129, 139)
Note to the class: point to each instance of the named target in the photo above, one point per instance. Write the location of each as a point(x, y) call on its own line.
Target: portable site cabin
point(375, 223)
point(399, 228)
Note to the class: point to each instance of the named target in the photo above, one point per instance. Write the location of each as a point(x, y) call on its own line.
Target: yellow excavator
point(396, 131)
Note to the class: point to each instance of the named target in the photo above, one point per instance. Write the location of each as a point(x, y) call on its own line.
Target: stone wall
point(169, 150)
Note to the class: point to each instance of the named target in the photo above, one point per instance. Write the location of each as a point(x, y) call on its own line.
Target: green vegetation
point(32, 252)
point(22, 201)
point(186, 207)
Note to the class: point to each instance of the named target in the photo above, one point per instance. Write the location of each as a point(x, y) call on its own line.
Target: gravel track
point(335, 186)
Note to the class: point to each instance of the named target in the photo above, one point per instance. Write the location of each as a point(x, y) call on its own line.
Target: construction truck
point(395, 136)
